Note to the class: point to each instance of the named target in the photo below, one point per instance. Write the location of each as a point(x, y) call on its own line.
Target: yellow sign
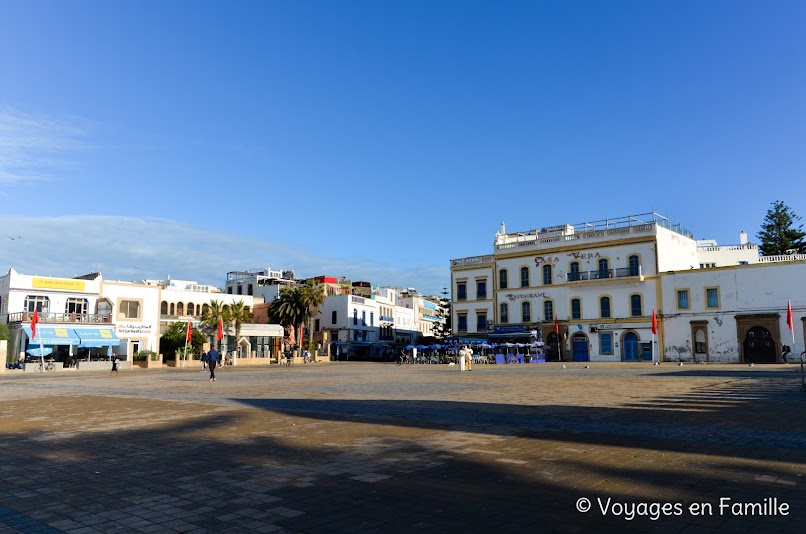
point(61, 332)
point(58, 283)
point(106, 334)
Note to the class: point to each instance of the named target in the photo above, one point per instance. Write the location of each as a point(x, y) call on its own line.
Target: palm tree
point(239, 313)
point(288, 310)
point(213, 314)
point(312, 296)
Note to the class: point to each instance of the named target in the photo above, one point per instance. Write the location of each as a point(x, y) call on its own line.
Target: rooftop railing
point(47, 317)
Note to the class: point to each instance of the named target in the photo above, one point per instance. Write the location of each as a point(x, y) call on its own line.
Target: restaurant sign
point(58, 283)
point(610, 326)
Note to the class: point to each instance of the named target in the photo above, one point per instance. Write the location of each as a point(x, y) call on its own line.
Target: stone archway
point(759, 338)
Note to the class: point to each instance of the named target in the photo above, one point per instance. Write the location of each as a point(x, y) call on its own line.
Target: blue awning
point(49, 335)
point(97, 337)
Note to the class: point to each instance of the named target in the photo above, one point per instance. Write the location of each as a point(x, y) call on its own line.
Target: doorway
point(629, 345)
point(579, 347)
point(759, 346)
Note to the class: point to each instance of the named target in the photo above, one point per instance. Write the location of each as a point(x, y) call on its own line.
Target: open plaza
point(368, 447)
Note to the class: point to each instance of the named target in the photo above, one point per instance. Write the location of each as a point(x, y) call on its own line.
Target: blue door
point(579, 346)
point(630, 347)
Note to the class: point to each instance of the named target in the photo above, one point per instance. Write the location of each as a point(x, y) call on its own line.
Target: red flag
point(220, 335)
point(556, 326)
point(34, 320)
point(189, 333)
point(654, 322)
point(789, 319)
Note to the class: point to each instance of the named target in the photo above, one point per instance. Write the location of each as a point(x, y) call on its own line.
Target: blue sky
point(379, 140)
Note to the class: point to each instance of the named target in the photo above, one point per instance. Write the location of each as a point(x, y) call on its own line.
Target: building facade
point(589, 290)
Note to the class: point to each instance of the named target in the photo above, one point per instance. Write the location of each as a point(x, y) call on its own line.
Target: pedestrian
point(468, 358)
point(306, 356)
point(212, 360)
point(204, 362)
point(115, 364)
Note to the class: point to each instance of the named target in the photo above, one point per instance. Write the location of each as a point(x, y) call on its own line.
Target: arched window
point(548, 310)
point(502, 279)
point(191, 308)
point(164, 308)
point(180, 309)
point(634, 264)
point(524, 276)
point(172, 308)
point(604, 307)
point(547, 274)
point(635, 306)
point(504, 312)
point(573, 272)
point(576, 309)
point(526, 312)
point(603, 268)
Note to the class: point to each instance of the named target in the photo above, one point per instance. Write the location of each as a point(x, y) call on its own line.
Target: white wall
point(144, 329)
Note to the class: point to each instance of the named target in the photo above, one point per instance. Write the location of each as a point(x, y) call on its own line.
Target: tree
point(173, 340)
point(313, 296)
point(3, 331)
point(287, 310)
point(239, 313)
point(214, 313)
point(778, 235)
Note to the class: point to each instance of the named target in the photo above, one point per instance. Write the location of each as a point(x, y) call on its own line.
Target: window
point(481, 321)
point(229, 290)
point(526, 312)
point(363, 318)
point(180, 309)
point(573, 272)
point(548, 310)
point(461, 291)
point(547, 274)
point(249, 289)
point(682, 299)
point(462, 319)
point(504, 313)
point(333, 317)
point(77, 306)
point(576, 309)
point(355, 317)
point(172, 308)
point(635, 306)
point(371, 318)
point(104, 307)
point(191, 309)
point(129, 309)
point(605, 342)
point(524, 276)
point(502, 279)
point(712, 297)
point(37, 302)
point(604, 307)
point(240, 289)
point(604, 268)
point(481, 289)
point(634, 265)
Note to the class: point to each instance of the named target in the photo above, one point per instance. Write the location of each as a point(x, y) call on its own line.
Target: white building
point(597, 283)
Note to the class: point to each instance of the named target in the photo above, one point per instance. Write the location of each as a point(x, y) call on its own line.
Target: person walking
point(204, 362)
point(468, 358)
point(212, 361)
point(115, 364)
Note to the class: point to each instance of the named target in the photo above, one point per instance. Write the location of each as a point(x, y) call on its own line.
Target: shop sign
point(133, 329)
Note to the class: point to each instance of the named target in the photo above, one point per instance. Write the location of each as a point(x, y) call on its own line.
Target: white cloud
point(130, 248)
point(31, 147)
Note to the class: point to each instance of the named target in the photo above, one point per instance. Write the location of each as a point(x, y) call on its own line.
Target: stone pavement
point(361, 447)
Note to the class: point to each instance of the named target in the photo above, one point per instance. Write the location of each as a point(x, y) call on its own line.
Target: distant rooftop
point(606, 224)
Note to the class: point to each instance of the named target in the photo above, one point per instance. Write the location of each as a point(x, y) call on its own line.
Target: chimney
point(503, 229)
point(743, 238)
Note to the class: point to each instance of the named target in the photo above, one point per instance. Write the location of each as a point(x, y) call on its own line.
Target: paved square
point(360, 447)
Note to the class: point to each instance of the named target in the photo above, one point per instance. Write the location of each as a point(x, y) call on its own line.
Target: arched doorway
point(579, 347)
point(629, 347)
point(759, 346)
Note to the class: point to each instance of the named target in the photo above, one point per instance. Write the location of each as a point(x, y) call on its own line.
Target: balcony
point(45, 317)
point(598, 275)
point(386, 319)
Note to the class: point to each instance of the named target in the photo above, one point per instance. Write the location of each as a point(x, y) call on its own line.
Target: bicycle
point(404, 359)
point(45, 369)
